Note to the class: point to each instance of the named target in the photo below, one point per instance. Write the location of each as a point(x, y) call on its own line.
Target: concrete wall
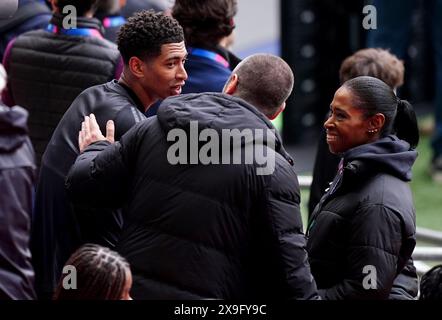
point(257, 27)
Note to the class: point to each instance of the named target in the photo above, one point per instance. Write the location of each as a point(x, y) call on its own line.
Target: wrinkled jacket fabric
point(364, 226)
point(58, 227)
point(16, 182)
point(47, 71)
point(195, 231)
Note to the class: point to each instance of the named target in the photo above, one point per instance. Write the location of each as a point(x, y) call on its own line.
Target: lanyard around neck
point(209, 55)
point(85, 32)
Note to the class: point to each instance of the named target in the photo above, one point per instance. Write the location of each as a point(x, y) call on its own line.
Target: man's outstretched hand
point(90, 132)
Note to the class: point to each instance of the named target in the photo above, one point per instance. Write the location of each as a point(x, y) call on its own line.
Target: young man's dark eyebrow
point(176, 57)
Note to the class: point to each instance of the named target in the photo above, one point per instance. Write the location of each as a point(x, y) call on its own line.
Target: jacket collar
point(82, 22)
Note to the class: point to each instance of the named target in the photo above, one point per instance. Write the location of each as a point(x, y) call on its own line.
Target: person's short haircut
point(265, 81)
point(205, 22)
point(100, 272)
point(431, 284)
point(145, 32)
point(373, 62)
point(82, 6)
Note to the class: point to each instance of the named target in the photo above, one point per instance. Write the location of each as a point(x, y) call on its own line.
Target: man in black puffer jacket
point(204, 231)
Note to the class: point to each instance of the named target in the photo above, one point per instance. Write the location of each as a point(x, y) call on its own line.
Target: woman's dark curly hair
point(205, 22)
point(100, 272)
point(145, 32)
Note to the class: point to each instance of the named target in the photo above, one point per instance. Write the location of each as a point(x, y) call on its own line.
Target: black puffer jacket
point(16, 180)
point(200, 231)
point(367, 218)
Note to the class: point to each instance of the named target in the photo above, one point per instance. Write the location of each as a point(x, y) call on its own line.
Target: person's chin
point(333, 148)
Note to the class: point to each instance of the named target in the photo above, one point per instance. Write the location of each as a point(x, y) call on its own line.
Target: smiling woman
point(359, 116)
point(348, 127)
point(362, 232)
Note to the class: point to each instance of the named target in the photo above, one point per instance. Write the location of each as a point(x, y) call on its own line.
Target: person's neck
point(224, 43)
point(89, 14)
point(145, 99)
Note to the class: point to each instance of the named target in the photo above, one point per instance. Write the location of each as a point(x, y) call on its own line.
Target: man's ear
point(280, 109)
point(232, 85)
point(376, 122)
point(136, 67)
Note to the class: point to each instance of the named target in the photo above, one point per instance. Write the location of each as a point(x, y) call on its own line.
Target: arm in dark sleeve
point(372, 258)
point(284, 217)
point(101, 175)
point(17, 171)
point(405, 285)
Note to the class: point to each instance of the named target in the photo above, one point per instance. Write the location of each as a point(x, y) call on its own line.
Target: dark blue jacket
point(16, 185)
point(205, 74)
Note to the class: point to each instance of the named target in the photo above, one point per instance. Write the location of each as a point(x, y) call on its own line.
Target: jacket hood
point(13, 127)
point(389, 154)
point(216, 111)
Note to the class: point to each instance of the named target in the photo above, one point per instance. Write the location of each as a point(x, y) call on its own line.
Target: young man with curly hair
point(152, 47)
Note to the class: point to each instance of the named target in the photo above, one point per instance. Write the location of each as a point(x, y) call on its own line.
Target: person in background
point(109, 13)
point(363, 231)
point(101, 274)
point(134, 6)
point(31, 15)
point(17, 173)
point(153, 50)
point(208, 26)
point(395, 34)
point(373, 62)
point(49, 68)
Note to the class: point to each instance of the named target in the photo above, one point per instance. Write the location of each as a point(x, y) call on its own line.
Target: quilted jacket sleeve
point(101, 174)
point(289, 243)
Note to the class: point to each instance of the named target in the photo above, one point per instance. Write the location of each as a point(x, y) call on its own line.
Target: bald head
point(263, 80)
